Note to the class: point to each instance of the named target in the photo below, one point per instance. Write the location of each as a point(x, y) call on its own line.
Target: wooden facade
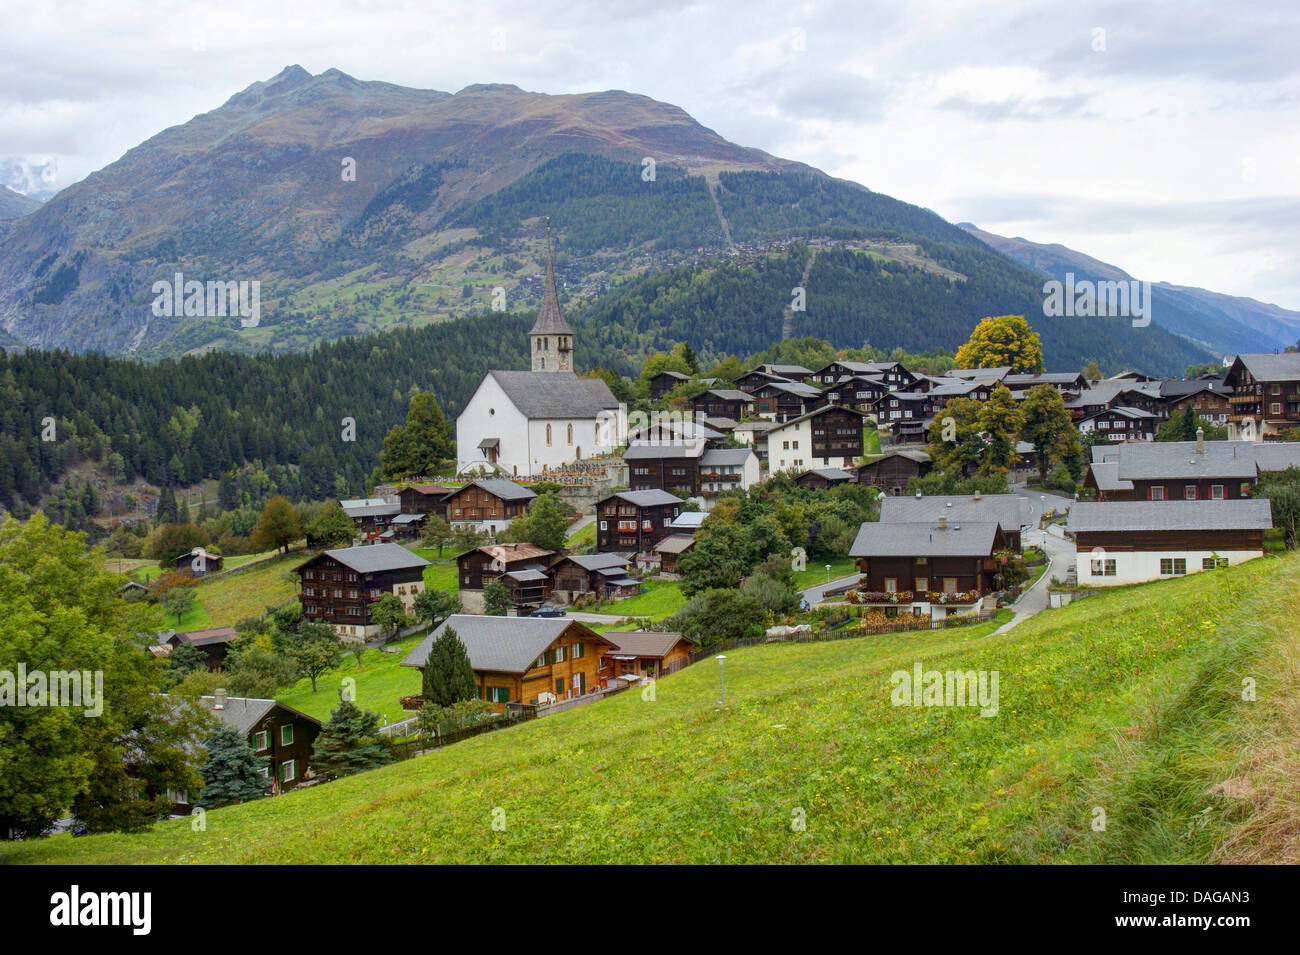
point(670, 468)
point(334, 593)
point(924, 575)
point(477, 566)
point(1129, 541)
point(428, 499)
point(665, 382)
point(476, 504)
point(722, 403)
point(890, 474)
point(631, 522)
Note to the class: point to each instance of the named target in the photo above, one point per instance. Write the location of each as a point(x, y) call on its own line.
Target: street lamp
point(828, 574)
point(722, 680)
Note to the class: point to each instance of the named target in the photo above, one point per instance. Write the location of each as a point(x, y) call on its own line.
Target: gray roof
point(527, 574)
point(689, 519)
point(924, 539)
point(203, 638)
point(1106, 476)
point(791, 370)
point(728, 394)
point(1154, 460)
point(1009, 510)
point(756, 426)
point(1125, 412)
point(555, 394)
point(372, 558)
point(243, 713)
point(675, 544)
point(726, 457)
point(505, 489)
point(799, 388)
point(1170, 516)
point(644, 643)
point(920, 457)
point(598, 561)
point(1282, 367)
point(831, 474)
point(814, 413)
point(653, 450)
point(1176, 388)
point(980, 374)
point(496, 644)
point(372, 510)
point(649, 498)
point(550, 320)
point(409, 518)
point(1277, 455)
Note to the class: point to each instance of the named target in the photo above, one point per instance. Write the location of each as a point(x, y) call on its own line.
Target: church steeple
point(551, 337)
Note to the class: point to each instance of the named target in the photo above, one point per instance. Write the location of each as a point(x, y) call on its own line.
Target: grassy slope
point(380, 684)
point(1127, 701)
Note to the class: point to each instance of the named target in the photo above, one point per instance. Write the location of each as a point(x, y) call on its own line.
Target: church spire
point(552, 338)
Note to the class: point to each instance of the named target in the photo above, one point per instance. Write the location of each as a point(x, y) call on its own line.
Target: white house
point(722, 469)
point(802, 443)
point(1128, 542)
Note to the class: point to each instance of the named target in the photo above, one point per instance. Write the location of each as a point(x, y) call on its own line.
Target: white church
point(518, 423)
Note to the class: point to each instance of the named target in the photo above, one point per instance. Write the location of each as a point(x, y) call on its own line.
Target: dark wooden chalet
point(634, 521)
point(489, 503)
point(338, 587)
point(890, 473)
point(668, 466)
point(819, 479)
point(722, 403)
point(604, 576)
point(199, 562)
point(665, 382)
point(782, 400)
point(429, 499)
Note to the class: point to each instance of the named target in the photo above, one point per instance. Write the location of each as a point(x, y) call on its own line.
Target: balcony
point(1246, 399)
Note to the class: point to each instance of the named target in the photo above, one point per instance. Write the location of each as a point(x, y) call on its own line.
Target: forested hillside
point(177, 422)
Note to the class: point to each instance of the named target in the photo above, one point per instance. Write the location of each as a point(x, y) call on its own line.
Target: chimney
point(977, 495)
point(943, 523)
point(219, 700)
point(1200, 440)
point(918, 493)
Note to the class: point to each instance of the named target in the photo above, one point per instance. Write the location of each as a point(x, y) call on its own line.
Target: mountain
point(1223, 324)
point(362, 206)
point(14, 205)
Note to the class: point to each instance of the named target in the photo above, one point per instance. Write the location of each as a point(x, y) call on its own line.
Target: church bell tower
point(551, 337)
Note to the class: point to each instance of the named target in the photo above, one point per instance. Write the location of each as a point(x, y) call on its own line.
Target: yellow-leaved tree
point(1001, 341)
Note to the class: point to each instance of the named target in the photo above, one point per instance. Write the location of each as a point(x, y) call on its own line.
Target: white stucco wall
point(1133, 567)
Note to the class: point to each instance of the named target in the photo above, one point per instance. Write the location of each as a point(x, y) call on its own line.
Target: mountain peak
point(475, 88)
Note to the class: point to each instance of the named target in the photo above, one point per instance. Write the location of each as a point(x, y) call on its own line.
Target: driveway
point(816, 594)
point(1060, 556)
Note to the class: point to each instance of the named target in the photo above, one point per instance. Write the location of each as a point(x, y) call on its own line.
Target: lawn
point(815, 573)
point(441, 574)
point(662, 598)
point(380, 683)
point(584, 538)
point(231, 598)
point(1130, 701)
point(870, 441)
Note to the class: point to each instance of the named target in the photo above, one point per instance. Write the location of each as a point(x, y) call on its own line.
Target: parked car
point(549, 612)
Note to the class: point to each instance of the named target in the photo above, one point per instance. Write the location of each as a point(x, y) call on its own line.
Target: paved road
point(814, 595)
point(579, 524)
point(1060, 556)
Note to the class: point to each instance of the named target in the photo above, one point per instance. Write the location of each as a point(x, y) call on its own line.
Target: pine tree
point(233, 772)
point(349, 742)
point(448, 676)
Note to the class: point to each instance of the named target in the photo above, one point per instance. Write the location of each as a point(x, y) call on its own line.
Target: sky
point(1161, 137)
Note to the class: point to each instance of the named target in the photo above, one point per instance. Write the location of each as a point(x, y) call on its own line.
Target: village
point(543, 626)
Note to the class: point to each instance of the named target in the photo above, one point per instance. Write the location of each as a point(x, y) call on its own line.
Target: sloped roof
point(726, 457)
point(1277, 455)
point(512, 553)
point(1009, 510)
point(1106, 476)
point(649, 498)
point(920, 457)
point(1280, 367)
point(202, 638)
point(499, 644)
point(674, 544)
point(243, 713)
point(980, 374)
point(555, 394)
point(505, 489)
point(371, 510)
point(372, 558)
point(645, 643)
point(830, 474)
point(924, 539)
point(550, 320)
point(1169, 516)
point(1153, 460)
point(597, 561)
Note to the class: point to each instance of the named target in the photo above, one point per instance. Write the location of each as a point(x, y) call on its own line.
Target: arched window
point(570, 434)
point(548, 435)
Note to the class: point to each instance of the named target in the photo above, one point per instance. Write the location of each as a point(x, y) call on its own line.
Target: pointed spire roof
point(550, 320)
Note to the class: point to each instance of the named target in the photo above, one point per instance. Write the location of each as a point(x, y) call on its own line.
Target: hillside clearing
point(1127, 701)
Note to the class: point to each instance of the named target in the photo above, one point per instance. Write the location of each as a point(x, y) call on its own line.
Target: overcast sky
point(1160, 137)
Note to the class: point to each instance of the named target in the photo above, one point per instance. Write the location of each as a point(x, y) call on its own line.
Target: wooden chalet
point(665, 382)
point(427, 499)
point(670, 549)
point(1174, 471)
point(1011, 512)
point(199, 562)
point(722, 403)
point(821, 478)
point(523, 568)
point(641, 654)
point(1131, 542)
point(928, 569)
point(1265, 393)
point(523, 660)
point(488, 504)
point(604, 576)
point(634, 521)
point(782, 400)
point(890, 473)
point(665, 466)
point(338, 587)
point(214, 642)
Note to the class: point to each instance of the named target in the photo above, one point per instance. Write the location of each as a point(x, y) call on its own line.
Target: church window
point(548, 435)
point(570, 434)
